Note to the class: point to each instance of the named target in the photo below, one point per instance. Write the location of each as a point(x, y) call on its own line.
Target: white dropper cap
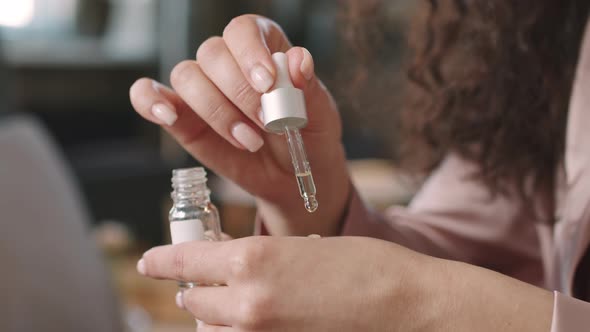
point(283, 105)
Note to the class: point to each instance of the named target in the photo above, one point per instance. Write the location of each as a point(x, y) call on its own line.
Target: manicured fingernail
point(306, 67)
point(157, 86)
point(164, 114)
point(179, 301)
point(247, 137)
point(262, 78)
point(141, 267)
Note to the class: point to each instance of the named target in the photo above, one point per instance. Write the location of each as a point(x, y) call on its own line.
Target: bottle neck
point(190, 186)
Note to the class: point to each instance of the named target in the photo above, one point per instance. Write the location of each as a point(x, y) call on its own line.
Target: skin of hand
point(342, 284)
point(214, 112)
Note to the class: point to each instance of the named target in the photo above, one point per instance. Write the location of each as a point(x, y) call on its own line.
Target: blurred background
point(77, 162)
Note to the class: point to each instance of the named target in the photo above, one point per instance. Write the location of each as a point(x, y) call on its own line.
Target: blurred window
point(16, 14)
point(37, 18)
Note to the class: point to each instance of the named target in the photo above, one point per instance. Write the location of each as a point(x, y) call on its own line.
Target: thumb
point(301, 66)
point(321, 108)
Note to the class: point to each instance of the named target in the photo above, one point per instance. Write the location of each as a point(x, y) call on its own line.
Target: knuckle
point(255, 310)
point(240, 267)
point(210, 48)
point(215, 113)
point(245, 94)
point(246, 261)
point(181, 72)
point(178, 264)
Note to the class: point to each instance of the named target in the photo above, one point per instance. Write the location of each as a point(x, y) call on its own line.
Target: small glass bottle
point(193, 217)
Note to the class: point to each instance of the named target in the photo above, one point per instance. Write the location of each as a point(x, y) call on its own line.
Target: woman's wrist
point(462, 297)
point(419, 302)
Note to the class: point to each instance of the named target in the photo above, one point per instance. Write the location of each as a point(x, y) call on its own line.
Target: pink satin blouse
point(543, 244)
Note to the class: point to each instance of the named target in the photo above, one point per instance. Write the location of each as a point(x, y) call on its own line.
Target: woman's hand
point(342, 284)
point(296, 284)
point(214, 113)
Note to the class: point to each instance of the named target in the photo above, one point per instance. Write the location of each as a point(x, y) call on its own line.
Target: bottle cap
point(283, 105)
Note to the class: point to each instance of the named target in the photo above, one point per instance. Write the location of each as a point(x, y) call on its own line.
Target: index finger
point(253, 54)
point(203, 262)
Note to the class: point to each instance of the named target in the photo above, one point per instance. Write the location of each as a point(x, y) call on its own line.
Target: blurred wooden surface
point(156, 297)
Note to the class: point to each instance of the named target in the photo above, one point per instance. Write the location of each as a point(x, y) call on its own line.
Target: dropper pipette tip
point(311, 204)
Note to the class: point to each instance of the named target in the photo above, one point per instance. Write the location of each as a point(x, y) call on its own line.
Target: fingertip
point(307, 64)
point(138, 87)
point(226, 237)
point(148, 99)
point(301, 66)
point(244, 36)
point(141, 267)
point(157, 86)
point(179, 300)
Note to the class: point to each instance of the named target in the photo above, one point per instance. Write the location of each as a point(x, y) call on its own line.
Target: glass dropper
point(301, 168)
point(283, 110)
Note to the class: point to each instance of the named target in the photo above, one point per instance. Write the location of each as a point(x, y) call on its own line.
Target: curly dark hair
point(490, 81)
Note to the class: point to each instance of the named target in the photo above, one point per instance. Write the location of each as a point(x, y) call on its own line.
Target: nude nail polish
point(261, 78)
point(164, 114)
point(306, 66)
point(247, 137)
point(141, 267)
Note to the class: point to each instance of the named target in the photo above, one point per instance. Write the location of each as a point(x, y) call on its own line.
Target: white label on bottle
point(187, 230)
